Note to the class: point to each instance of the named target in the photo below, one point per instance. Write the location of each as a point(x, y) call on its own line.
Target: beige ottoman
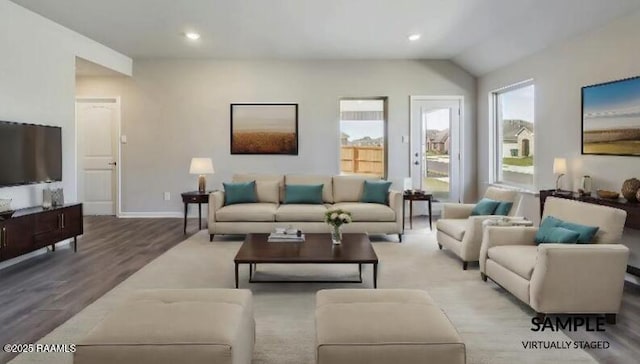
point(384, 326)
point(174, 326)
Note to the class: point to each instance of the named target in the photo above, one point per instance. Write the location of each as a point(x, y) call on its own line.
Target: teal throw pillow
point(559, 235)
point(375, 192)
point(585, 233)
point(486, 206)
point(241, 192)
point(503, 208)
point(303, 194)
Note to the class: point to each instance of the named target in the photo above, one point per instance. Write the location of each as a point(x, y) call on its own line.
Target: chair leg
point(610, 318)
point(483, 276)
point(440, 246)
point(211, 237)
point(400, 237)
point(464, 265)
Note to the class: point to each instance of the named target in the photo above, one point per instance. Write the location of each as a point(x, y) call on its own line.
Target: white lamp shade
point(559, 166)
point(201, 166)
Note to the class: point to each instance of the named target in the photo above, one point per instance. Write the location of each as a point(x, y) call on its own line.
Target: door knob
point(416, 163)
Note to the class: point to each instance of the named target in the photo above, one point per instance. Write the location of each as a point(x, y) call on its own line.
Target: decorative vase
point(336, 235)
point(46, 197)
point(629, 189)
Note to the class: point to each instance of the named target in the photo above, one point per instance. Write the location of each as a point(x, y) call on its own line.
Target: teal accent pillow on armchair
point(558, 235)
point(503, 208)
point(486, 206)
point(585, 233)
point(303, 194)
point(241, 192)
point(376, 192)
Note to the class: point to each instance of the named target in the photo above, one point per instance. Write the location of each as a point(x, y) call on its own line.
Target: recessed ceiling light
point(414, 37)
point(192, 35)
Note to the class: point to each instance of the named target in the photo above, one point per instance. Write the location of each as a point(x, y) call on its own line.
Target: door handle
point(3, 237)
point(416, 163)
point(62, 220)
point(112, 163)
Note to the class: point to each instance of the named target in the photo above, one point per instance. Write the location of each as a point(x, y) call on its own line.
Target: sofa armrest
point(456, 210)
point(505, 235)
point(472, 239)
point(395, 203)
point(580, 278)
point(216, 202)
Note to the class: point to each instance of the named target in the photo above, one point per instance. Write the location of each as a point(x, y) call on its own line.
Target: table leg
point(360, 271)
point(410, 214)
point(430, 227)
point(186, 205)
point(404, 215)
point(199, 216)
point(75, 244)
point(53, 247)
point(250, 271)
point(375, 275)
point(236, 275)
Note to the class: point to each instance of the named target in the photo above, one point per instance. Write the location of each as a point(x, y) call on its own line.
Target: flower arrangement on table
point(335, 219)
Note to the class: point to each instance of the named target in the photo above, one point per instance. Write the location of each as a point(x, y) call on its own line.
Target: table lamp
point(559, 168)
point(201, 166)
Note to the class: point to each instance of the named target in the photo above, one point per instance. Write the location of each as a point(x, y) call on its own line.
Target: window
point(514, 135)
point(363, 136)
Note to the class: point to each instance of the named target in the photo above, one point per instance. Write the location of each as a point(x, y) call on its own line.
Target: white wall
point(559, 72)
point(173, 110)
point(37, 83)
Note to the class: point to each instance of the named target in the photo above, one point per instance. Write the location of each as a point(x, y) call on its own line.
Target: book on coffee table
point(285, 238)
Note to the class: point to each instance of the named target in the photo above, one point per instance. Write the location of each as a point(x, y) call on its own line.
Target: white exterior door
point(435, 147)
point(97, 124)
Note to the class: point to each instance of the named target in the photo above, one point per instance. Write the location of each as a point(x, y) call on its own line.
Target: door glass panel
point(436, 170)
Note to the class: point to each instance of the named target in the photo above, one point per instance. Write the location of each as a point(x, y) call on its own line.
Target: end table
point(415, 197)
point(194, 197)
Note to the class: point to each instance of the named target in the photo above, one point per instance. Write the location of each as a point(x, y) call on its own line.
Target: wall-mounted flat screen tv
point(29, 153)
point(611, 118)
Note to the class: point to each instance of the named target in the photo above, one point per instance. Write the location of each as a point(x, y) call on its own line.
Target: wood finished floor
point(41, 293)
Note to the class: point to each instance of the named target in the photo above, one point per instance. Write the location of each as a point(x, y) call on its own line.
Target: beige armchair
point(461, 233)
point(561, 278)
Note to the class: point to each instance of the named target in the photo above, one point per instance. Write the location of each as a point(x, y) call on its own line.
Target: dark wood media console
point(632, 222)
point(35, 228)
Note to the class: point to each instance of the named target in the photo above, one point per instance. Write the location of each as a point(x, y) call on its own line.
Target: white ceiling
point(479, 35)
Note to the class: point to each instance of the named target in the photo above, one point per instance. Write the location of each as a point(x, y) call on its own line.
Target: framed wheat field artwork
point(611, 118)
point(264, 129)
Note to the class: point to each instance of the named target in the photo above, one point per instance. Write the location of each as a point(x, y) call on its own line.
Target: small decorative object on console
point(57, 197)
point(335, 219)
point(611, 195)
point(5, 209)
point(629, 189)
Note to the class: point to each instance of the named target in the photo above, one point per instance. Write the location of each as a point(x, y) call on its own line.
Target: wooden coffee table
point(316, 249)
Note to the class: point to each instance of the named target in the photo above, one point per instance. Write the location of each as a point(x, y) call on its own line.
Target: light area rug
point(492, 323)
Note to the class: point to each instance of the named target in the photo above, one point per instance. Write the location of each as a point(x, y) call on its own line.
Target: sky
point(518, 104)
point(608, 97)
point(357, 129)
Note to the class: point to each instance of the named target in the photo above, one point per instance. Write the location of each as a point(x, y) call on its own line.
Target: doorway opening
point(436, 146)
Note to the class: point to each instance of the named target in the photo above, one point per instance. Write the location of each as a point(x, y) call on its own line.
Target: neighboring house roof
point(511, 129)
point(438, 136)
point(522, 130)
point(368, 141)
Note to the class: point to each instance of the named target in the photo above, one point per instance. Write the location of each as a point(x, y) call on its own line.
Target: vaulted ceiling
point(479, 35)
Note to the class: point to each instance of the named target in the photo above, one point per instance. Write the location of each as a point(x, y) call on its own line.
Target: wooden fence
point(362, 160)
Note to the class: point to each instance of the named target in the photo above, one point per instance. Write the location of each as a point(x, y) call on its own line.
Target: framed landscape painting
point(611, 118)
point(264, 129)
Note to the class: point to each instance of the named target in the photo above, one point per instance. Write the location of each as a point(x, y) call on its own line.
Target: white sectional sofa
point(343, 192)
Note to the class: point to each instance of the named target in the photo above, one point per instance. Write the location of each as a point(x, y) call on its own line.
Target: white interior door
point(98, 124)
point(435, 147)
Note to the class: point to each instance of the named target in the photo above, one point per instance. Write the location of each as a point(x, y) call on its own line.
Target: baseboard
point(160, 215)
point(153, 215)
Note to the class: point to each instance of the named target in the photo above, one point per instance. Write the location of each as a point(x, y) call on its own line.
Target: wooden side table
point(415, 197)
point(194, 197)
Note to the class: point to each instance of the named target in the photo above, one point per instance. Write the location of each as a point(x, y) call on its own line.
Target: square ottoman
point(384, 326)
point(174, 326)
